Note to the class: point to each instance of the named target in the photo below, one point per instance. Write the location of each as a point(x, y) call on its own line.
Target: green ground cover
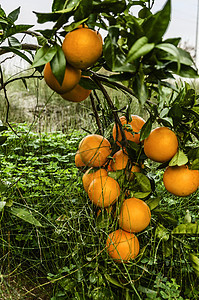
point(53, 243)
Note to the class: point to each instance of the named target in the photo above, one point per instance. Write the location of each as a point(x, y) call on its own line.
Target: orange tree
point(138, 61)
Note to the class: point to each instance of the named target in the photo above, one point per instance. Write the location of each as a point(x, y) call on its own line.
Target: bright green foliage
point(42, 186)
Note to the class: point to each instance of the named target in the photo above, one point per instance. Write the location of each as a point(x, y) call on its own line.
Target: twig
point(112, 107)
point(116, 84)
point(31, 47)
point(20, 78)
point(7, 101)
point(96, 114)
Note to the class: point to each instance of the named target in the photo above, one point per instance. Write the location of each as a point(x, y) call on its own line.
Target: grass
point(35, 103)
point(65, 257)
point(52, 240)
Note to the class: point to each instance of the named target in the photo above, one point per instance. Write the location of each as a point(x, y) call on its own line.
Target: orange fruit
point(78, 161)
point(161, 144)
point(122, 246)
point(180, 180)
point(77, 94)
point(90, 175)
point(119, 160)
point(135, 124)
point(82, 48)
point(71, 78)
point(94, 150)
point(103, 191)
point(135, 215)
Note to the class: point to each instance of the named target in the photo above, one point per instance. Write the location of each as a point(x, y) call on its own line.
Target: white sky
point(183, 21)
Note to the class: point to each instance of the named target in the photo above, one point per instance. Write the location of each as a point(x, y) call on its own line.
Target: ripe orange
point(71, 78)
point(78, 162)
point(82, 47)
point(180, 180)
point(119, 160)
point(103, 191)
point(77, 94)
point(94, 150)
point(135, 215)
point(135, 124)
point(90, 175)
point(122, 245)
point(161, 145)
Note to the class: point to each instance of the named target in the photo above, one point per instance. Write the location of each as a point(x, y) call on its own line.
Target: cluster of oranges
point(82, 48)
point(95, 152)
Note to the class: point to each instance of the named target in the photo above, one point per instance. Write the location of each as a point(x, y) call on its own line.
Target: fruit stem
point(112, 107)
point(96, 114)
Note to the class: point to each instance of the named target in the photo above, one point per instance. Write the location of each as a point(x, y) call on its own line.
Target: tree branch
point(7, 101)
point(112, 107)
point(96, 114)
point(116, 84)
point(2, 86)
point(25, 46)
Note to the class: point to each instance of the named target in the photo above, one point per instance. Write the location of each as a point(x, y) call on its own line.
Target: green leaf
point(166, 121)
point(176, 113)
point(146, 129)
point(2, 205)
point(3, 139)
point(193, 153)
point(165, 217)
point(140, 88)
point(113, 281)
point(143, 50)
point(186, 229)
point(195, 263)
point(143, 182)
point(185, 71)
point(3, 128)
point(74, 25)
point(88, 83)
point(42, 40)
point(83, 10)
point(179, 159)
point(25, 215)
point(173, 50)
point(59, 4)
point(115, 6)
point(136, 46)
point(161, 233)
point(70, 5)
point(195, 164)
point(116, 174)
point(46, 17)
point(58, 64)
point(17, 52)
point(44, 55)
point(153, 202)
point(13, 42)
point(2, 12)
point(156, 25)
point(13, 16)
point(17, 29)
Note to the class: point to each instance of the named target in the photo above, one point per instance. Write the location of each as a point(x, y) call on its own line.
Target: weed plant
point(65, 257)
